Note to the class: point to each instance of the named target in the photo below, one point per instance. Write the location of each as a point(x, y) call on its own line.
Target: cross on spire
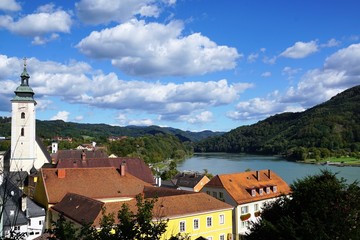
point(25, 61)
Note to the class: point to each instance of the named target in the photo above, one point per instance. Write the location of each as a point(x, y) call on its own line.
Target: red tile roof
point(240, 185)
point(95, 183)
point(134, 166)
point(79, 208)
point(76, 154)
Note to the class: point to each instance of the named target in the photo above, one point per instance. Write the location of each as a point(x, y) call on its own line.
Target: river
point(221, 163)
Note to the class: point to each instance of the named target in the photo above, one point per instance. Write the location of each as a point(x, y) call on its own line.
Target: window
point(221, 195)
point(245, 224)
point(274, 189)
point(40, 222)
point(22, 132)
point(208, 192)
point(12, 212)
point(215, 194)
point(267, 190)
point(196, 223)
point(17, 228)
point(209, 221)
point(22, 115)
point(244, 209)
point(182, 226)
point(222, 218)
point(222, 237)
point(256, 207)
point(253, 192)
point(261, 191)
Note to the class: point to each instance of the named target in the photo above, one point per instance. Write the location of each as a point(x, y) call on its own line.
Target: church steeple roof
point(24, 92)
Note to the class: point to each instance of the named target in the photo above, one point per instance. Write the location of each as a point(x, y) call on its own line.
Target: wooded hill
point(330, 126)
point(50, 129)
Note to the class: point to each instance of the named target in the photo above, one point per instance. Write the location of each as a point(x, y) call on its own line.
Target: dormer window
point(261, 191)
point(253, 192)
point(267, 190)
point(22, 115)
point(274, 189)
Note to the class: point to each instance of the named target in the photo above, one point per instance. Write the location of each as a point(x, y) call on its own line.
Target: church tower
point(23, 140)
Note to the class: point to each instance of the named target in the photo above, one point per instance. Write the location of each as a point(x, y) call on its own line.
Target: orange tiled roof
point(240, 185)
point(134, 166)
point(80, 208)
point(95, 183)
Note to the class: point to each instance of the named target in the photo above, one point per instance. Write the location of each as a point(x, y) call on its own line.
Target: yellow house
point(188, 213)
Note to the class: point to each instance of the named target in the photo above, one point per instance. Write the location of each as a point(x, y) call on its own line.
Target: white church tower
point(23, 129)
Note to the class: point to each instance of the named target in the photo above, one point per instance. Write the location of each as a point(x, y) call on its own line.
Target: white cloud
point(61, 115)
point(266, 74)
point(141, 122)
point(155, 49)
point(331, 43)
point(290, 72)
point(9, 5)
point(38, 40)
point(105, 11)
point(341, 71)
point(202, 117)
point(252, 57)
point(300, 50)
point(46, 20)
point(79, 118)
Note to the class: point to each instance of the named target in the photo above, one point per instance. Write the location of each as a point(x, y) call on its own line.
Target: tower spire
point(25, 76)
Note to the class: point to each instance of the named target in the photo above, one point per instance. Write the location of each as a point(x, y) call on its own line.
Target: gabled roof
point(80, 208)
point(134, 166)
point(12, 198)
point(240, 185)
point(189, 180)
point(98, 183)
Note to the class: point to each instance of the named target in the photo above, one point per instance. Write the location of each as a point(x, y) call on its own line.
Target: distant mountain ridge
point(50, 129)
point(333, 125)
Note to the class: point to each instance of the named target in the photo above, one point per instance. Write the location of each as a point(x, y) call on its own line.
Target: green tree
point(320, 207)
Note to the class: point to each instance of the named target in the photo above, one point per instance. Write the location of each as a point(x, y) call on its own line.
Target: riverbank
point(338, 162)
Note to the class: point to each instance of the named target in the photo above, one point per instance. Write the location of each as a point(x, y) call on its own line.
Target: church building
point(27, 151)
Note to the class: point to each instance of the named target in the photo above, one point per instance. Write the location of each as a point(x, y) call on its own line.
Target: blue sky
point(188, 64)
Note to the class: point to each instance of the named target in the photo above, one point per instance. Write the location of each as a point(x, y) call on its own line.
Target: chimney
point(23, 203)
point(83, 156)
point(122, 168)
point(269, 174)
point(258, 175)
point(61, 173)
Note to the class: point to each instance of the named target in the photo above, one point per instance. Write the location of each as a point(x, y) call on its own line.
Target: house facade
point(192, 214)
point(247, 192)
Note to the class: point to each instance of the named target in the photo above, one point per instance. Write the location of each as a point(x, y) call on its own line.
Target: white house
point(247, 192)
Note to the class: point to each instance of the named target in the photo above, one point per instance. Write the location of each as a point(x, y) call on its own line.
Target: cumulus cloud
point(61, 115)
point(100, 11)
point(300, 50)
point(252, 57)
point(341, 71)
point(76, 82)
point(154, 49)
point(46, 20)
point(202, 117)
point(9, 5)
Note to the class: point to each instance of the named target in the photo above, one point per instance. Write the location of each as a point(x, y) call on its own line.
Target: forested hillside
point(50, 129)
point(331, 126)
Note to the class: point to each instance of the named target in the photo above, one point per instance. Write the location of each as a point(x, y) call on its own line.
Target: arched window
point(22, 132)
point(22, 115)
